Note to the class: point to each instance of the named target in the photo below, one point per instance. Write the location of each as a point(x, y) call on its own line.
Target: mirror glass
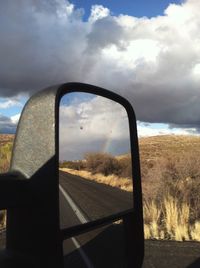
point(95, 171)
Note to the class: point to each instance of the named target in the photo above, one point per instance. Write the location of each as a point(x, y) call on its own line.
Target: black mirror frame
point(34, 165)
point(132, 219)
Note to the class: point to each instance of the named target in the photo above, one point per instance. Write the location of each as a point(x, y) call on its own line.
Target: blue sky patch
point(129, 7)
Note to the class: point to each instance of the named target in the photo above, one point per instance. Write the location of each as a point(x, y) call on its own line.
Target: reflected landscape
point(95, 176)
point(95, 161)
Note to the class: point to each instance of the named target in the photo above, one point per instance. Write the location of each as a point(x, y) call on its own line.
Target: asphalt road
point(95, 200)
point(171, 254)
point(104, 247)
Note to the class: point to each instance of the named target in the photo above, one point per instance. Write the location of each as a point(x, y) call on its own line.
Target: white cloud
point(98, 12)
point(9, 103)
point(15, 118)
point(145, 130)
point(97, 124)
point(153, 62)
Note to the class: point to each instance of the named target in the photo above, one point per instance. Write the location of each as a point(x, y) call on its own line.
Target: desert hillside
point(152, 147)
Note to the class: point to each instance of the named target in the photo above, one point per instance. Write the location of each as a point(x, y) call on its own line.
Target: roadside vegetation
point(171, 187)
point(170, 168)
point(102, 168)
point(6, 142)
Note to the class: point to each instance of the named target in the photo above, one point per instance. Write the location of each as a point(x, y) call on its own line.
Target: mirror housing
point(33, 228)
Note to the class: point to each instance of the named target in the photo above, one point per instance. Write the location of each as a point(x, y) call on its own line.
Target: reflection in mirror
point(95, 162)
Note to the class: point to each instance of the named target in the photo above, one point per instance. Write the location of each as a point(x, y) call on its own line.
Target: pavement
point(171, 254)
point(103, 247)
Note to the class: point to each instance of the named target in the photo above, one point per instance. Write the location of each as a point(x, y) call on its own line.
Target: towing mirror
point(94, 157)
point(67, 134)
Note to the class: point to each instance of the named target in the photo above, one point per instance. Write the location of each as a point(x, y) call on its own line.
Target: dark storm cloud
point(37, 47)
point(154, 62)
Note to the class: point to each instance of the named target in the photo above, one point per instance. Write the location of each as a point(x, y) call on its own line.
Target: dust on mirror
point(95, 170)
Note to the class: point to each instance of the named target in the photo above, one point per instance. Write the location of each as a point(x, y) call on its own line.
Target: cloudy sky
point(148, 51)
point(90, 123)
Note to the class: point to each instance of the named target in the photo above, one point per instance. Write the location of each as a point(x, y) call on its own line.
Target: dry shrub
point(181, 179)
point(177, 175)
point(102, 163)
point(77, 165)
point(172, 184)
point(125, 166)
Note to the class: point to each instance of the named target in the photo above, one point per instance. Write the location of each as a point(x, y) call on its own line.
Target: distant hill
point(150, 147)
point(164, 145)
point(154, 147)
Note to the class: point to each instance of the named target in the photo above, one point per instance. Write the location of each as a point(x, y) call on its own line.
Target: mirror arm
point(13, 190)
point(89, 226)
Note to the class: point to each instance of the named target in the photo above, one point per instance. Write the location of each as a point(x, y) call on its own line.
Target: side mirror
point(34, 189)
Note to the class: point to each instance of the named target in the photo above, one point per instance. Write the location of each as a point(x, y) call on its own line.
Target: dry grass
point(112, 180)
point(6, 141)
point(153, 147)
point(176, 219)
point(195, 231)
point(169, 221)
point(152, 217)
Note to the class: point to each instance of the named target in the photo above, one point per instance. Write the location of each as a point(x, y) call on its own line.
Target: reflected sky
point(90, 123)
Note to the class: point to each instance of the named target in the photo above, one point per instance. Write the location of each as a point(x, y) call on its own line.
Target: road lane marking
point(82, 253)
point(74, 207)
point(82, 219)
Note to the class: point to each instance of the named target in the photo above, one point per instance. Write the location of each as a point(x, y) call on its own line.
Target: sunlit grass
point(169, 220)
point(195, 231)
